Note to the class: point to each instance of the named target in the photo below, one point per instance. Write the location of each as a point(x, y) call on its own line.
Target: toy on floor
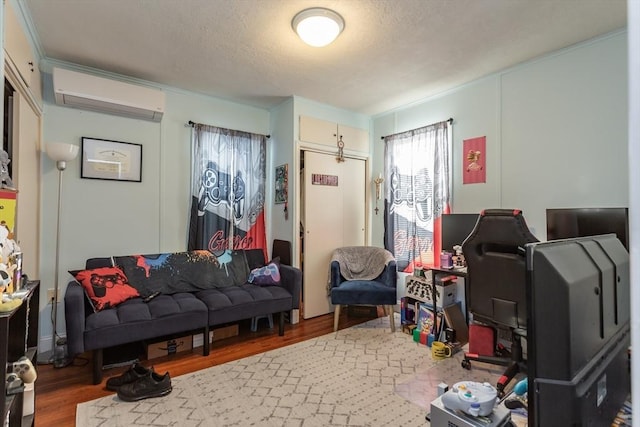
point(472, 398)
point(519, 397)
point(521, 387)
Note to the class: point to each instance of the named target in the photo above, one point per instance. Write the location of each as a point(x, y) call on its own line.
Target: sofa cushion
point(106, 287)
point(136, 320)
point(233, 303)
point(356, 291)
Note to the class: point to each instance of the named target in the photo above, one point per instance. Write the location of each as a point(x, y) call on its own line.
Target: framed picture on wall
point(112, 160)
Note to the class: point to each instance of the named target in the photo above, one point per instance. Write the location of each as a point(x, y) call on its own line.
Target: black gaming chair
point(496, 290)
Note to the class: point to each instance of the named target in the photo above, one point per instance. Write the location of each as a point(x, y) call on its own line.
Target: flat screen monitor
point(456, 228)
point(579, 222)
point(578, 331)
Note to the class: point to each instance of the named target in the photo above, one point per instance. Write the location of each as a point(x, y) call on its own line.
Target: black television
point(456, 228)
point(578, 331)
point(579, 222)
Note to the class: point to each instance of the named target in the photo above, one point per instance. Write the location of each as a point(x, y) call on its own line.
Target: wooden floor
point(58, 391)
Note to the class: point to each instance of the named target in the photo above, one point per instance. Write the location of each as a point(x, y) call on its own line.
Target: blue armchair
point(363, 275)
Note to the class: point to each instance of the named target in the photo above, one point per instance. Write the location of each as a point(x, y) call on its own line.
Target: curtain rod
point(191, 123)
point(450, 120)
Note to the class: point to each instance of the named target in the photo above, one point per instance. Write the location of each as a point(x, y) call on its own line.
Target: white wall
point(281, 151)
point(103, 218)
point(634, 186)
point(556, 131)
point(564, 122)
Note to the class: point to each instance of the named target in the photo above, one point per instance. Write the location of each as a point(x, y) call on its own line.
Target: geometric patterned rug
point(360, 376)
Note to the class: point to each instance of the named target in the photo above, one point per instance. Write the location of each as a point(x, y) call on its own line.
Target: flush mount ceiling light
point(318, 26)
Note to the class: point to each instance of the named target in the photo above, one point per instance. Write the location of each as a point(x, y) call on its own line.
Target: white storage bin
point(28, 399)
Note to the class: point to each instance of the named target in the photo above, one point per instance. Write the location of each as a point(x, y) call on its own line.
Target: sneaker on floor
point(134, 373)
point(150, 385)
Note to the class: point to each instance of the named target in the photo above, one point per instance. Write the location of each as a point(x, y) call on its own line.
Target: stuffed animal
point(3, 223)
point(5, 179)
point(8, 246)
point(6, 277)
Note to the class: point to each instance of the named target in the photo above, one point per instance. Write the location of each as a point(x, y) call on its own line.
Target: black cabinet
point(19, 337)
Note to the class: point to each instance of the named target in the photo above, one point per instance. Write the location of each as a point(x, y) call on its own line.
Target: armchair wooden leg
point(336, 317)
point(389, 309)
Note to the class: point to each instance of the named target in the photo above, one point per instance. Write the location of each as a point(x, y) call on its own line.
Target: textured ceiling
point(391, 53)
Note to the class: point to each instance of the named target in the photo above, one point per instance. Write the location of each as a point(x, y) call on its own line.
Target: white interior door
point(354, 190)
point(334, 216)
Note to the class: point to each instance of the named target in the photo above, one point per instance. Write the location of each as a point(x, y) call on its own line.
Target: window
point(417, 193)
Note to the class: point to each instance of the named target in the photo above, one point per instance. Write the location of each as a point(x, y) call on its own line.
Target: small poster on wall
point(474, 160)
point(322, 179)
point(282, 184)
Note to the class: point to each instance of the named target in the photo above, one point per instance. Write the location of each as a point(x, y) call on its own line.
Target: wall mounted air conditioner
point(78, 90)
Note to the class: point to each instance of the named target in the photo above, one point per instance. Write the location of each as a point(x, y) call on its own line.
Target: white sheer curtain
point(417, 192)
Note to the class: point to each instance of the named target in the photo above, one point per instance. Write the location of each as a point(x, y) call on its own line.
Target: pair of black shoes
point(138, 383)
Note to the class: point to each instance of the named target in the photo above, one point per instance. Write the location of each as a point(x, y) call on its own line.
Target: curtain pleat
point(417, 193)
point(228, 187)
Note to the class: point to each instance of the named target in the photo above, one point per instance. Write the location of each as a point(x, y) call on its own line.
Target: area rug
point(348, 378)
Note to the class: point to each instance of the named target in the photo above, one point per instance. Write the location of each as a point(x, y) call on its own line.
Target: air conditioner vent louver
point(78, 90)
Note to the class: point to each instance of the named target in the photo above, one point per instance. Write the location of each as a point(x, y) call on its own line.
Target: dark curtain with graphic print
point(417, 192)
point(228, 185)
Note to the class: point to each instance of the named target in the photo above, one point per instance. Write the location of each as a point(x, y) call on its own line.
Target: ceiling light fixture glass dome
point(317, 26)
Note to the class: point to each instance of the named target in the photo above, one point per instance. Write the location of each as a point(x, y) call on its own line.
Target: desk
point(439, 299)
point(455, 271)
point(461, 291)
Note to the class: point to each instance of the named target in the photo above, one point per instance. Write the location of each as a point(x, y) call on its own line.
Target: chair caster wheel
point(466, 364)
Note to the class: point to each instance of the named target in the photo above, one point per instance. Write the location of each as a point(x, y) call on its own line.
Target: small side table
point(254, 321)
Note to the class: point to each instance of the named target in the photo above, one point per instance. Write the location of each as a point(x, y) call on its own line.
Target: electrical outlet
point(50, 294)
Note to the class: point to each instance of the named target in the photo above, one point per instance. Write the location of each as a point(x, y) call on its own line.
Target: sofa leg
point(205, 341)
point(97, 366)
point(336, 316)
point(281, 324)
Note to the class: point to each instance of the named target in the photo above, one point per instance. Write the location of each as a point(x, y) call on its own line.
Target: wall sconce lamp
point(340, 156)
point(378, 182)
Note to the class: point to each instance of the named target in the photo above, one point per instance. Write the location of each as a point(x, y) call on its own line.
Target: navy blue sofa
point(136, 320)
